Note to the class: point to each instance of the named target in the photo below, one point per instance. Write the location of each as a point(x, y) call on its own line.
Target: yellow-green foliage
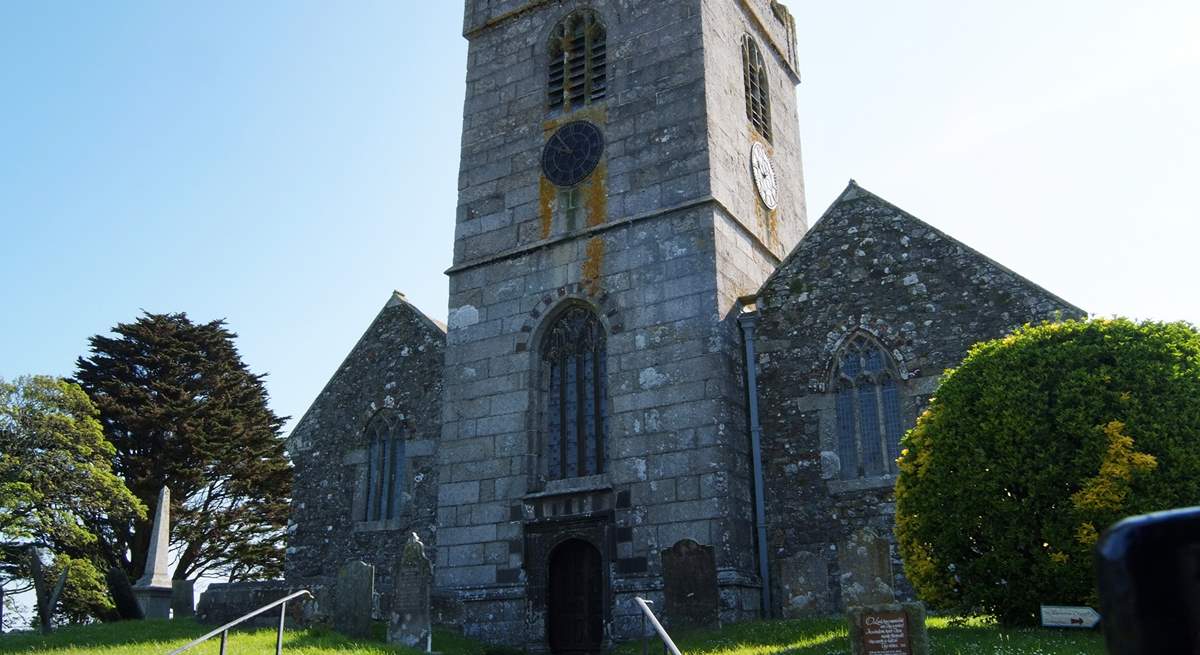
point(1036, 444)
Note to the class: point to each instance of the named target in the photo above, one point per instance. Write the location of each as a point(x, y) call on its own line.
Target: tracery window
point(869, 422)
point(575, 393)
point(758, 92)
point(578, 62)
point(385, 468)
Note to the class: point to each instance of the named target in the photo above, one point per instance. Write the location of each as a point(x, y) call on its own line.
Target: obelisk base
point(155, 601)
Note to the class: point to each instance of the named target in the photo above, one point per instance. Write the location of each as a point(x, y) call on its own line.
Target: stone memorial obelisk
point(153, 589)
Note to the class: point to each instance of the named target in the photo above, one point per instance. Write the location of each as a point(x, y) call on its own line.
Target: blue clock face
point(572, 153)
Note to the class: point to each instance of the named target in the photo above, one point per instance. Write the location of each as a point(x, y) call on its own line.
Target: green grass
point(829, 637)
point(794, 637)
point(160, 637)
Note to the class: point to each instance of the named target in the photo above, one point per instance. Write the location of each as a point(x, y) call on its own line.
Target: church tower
point(629, 170)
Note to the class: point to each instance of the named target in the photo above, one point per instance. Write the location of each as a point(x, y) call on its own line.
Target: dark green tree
point(56, 477)
point(183, 411)
point(1036, 444)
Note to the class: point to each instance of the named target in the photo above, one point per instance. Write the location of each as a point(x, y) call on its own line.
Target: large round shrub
point(1034, 445)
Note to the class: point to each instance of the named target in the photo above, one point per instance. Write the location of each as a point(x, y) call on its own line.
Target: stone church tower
point(629, 171)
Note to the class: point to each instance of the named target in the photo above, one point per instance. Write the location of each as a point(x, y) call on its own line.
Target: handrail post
point(645, 637)
point(223, 631)
point(669, 647)
point(279, 635)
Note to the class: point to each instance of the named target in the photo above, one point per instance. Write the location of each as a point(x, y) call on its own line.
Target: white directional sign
point(1059, 616)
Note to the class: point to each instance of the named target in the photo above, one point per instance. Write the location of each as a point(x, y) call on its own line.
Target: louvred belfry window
point(578, 62)
point(758, 92)
point(575, 392)
point(385, 467)
point(869, 421)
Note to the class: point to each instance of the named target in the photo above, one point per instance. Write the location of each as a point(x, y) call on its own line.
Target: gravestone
point(123, 597)
point(865, 561)
point(888, 629)
point(413, 576)
point(690, 585)
point(354, 598)
point(183, 599)
point(153, 589)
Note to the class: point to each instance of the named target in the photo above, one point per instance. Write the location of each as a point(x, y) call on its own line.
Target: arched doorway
point(575, 610)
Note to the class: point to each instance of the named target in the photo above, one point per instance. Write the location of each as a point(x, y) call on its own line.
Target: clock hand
point(564, 147)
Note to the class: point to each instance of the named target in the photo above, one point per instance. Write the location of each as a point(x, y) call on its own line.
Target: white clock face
point(764, 176)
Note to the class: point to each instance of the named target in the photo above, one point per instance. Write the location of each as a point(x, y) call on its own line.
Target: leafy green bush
point(1034, 445)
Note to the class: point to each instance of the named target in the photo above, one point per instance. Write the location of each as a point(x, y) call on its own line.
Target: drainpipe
point(748, 320)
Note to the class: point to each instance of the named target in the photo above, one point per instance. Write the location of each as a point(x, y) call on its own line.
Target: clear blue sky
point(285, 165)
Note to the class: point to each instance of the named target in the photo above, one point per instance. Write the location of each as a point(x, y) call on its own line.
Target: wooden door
point(575, 616)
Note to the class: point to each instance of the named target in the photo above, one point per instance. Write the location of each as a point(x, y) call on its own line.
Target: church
point(657, 378)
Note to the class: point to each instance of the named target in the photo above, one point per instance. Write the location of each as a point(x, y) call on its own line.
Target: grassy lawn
point(160, 637)
point(829, 637)
point(797, 637)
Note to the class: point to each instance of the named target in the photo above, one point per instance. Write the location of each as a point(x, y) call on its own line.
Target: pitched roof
point(855, 193)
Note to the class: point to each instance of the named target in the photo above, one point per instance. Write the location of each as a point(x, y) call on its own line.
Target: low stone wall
point(224, 602)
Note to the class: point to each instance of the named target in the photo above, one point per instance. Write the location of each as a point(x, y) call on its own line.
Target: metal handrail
point(668, 645)
point(224, 630)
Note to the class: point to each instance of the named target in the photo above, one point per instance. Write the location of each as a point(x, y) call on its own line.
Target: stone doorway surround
point(545, 541)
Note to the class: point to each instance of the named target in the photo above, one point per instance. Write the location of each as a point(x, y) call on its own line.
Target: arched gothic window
point(575, 393)
point(758, 92)
point(385, 467)
point(869, 423)
point(578, 62)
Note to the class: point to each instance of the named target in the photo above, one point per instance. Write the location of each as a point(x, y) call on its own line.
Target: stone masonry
point(866, 265)
point(673, 235)
point(396, 366)
point(668, 246)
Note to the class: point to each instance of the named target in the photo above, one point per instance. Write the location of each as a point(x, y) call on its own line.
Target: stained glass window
point(385, 468)
point(869, 417)
point(574, 391)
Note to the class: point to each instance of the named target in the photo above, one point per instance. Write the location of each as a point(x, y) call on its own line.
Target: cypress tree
point(183, 410)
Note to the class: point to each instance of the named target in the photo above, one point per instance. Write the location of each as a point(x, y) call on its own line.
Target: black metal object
point(1148, 568)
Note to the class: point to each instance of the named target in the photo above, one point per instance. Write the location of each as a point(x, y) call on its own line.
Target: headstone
point(123, 597)
point(865, 561)
point(888, 629)
point(412, 579)
point(183, 599)
point(354, 598)
point(153, 589)
point(802, 585)
point(690, 585)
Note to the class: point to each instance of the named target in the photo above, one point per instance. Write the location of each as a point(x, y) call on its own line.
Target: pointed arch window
point(578, 73)
point(386, 467)
point(575, 395)
point(758, 91)
point(869, 421)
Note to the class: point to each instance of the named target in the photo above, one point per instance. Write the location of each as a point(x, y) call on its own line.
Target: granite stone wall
point(865, 266)
point(660, 255)
point(396, 367)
